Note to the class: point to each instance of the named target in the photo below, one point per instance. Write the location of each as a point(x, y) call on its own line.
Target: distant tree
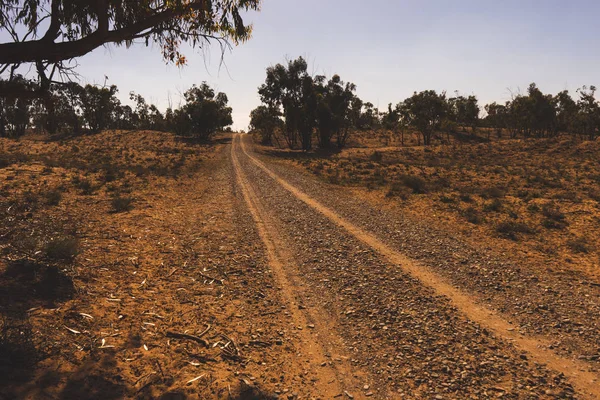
point(203, 114)
point(391, 118)
point(123, 117)
point(464, 111)
point(396, 119)
point(566, 111)
point(290, 88)
point(334, 102)
point(497, 116)
point(370, 117)
point(15, 112)
point(156, 120)
point(98, 105)
point(542, 112)
point(68, 106)
point(425, 111)
point(141, 115)
point(588, 121)
point(265, 120)
point(47, 33)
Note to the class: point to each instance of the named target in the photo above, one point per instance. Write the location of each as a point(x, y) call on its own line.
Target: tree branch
point(55, 22)
point(43, 49)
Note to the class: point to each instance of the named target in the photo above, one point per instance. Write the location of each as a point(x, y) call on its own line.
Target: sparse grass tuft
point(84, 185)
point(62, 248)
point(377, 156)
point(53, 197)
point(121, 204)
point(414, 182)
point(398, 190)
point(493, 192)
point(554, 217)
point(579, 245)
point(494, 206)
point(511, 229)
point(472, 215)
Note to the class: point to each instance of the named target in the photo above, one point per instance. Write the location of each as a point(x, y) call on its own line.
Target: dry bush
point(415, 183)
point(472, 215)
point(121, 203)
point(62, 249)
point(512, 229)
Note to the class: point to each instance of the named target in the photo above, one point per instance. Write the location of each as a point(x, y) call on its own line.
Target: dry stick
point(210, 278)
point(143, 377)
point(160, 369)
point(171, 273)
point(197, 339)
point(204, 332)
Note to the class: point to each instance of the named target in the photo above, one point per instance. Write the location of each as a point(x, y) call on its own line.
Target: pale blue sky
point(387, 48)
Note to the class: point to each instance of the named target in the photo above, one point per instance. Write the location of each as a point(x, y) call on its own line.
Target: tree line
point(303, 109)
point(73, 108)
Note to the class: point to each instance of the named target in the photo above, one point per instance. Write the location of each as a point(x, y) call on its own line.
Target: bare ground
point(309, 291)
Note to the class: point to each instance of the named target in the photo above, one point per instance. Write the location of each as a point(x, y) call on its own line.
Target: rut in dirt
point(489, 323)
point(320, 343)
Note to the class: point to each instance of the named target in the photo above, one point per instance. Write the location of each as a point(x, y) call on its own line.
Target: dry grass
point(540, 194)
point(66, 208)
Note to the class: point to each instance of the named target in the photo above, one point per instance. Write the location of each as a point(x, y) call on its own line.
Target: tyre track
point(584, 381)
point(316, 332)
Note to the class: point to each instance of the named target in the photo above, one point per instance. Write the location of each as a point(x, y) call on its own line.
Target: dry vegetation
point(543, 195)
point(103, 247)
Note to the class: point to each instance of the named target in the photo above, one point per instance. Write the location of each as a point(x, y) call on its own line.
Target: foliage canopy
point(49, 32)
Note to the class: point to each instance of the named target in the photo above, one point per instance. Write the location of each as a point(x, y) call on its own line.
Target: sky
point(389, 49)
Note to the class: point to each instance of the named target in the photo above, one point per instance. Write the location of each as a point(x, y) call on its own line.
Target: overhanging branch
point(46, 49)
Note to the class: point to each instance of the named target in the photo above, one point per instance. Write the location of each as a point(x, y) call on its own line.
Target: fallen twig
point(195, 379)
point(204, 332)
point(197, 339)
point(211, 278)
point(171, 273)
point(72, 330)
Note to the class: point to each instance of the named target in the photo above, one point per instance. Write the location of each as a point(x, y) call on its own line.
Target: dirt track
point(402, 322)
point(309, 291)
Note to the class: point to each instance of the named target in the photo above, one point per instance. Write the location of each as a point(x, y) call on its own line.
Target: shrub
point(594, 195)
point(446, 199)
point(53, 197)
point(472, 215)
point(416, 183)
point(494, 192)
point(579, 245)
point(495, 205)
point(84, 185)
point(377, 156)
point(510, 229)
point(63, 248)
point(121, 204)
point(398, 190)
point(555, 219)
point(465, 197)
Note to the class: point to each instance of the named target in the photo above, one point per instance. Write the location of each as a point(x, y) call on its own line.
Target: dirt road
point(237, 275)
point(405, 328)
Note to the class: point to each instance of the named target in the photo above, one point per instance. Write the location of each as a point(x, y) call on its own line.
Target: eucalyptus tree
point(47, 34)
point(425, 111)
point(588, 123)
point(334, 102)
point(464, 111)
point(289, 89)
point(266, 120)
point(204, 113)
